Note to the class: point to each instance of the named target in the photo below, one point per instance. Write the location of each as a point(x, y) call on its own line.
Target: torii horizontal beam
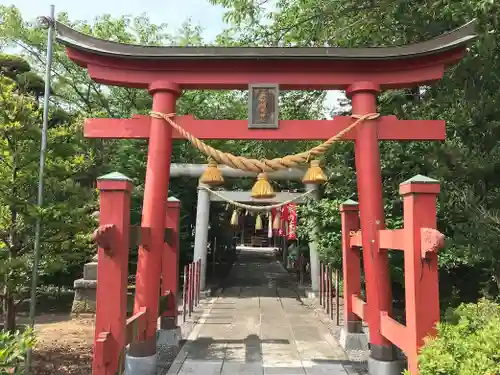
point(196, 170)
point(389, 128)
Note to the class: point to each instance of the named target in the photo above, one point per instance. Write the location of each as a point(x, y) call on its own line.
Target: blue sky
point(172, 12)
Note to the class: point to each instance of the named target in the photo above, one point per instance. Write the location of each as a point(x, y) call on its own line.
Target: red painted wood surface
point(369, 182)
point(170, 259)
point(112, 271)
point(289, 74)
point(421, 275)
point(154, 207)
point(195, 284)
point(190, 289)
point(198, 278)
point(351, 261)
point(420, 242)
point(388, 128)
point(388, 239)
point(185, 293)
point(328, 289)
point(136, 326)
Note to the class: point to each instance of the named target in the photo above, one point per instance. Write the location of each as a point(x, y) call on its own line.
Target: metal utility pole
point(47, 22)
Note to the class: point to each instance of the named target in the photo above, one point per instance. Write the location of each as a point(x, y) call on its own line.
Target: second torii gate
point(203, 208)
point(363, 72)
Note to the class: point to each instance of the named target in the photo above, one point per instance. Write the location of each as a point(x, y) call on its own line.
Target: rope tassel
point(212, 175)
point(262, 187)
point(314, 174)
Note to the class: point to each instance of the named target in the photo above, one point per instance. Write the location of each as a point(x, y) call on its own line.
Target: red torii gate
point(362, 72)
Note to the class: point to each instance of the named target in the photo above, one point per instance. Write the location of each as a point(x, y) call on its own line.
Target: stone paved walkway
point(258, 325)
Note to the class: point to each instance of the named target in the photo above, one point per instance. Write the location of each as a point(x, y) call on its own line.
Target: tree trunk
point(9, 310)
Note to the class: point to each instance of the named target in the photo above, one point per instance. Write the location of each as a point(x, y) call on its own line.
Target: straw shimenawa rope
point(264, 165)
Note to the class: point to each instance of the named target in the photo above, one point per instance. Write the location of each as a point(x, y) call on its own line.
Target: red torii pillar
point(154, 213)
point(371, 207)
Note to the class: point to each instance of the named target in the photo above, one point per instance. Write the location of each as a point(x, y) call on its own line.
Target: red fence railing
point(329, 294)
point(420, 242)
point(191, 288)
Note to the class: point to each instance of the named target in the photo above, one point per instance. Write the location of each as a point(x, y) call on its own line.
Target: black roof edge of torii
point(457, 38)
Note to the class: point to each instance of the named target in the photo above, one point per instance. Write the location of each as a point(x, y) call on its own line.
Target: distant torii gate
point(362, 72)
point(203, 208)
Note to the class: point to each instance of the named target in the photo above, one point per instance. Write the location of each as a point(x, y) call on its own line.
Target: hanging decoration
point(234, 218)
point(211, 175)
point(276, 220)
point(262, 188)
point(283, 220)
point(269, 225)
point(314, 174)
point(258, 223)
point(292, 221)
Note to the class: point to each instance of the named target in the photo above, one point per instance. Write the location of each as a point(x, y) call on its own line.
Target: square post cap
point(114, 181)
point(420, 185)
point(173, 202)
point(349, 205)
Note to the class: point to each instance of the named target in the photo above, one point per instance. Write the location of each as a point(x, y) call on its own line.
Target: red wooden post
point(195, 284)
point(191, 279)
point(321, 283)
point(185, 293)
point(330, 292)
point(170, 264)
point(337, 297)
point(154, 211)
point(325, 286)
point(369, 181)
point(328, 289)
point(199, 281)
point(422, 242)
point(112, 237)
point(351, 264)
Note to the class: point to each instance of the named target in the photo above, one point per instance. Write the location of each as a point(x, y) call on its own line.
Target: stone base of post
point(84, 301)
point(311, 293)
point(353, 338)
point(206, 294)
point(167, 341)
point(141, 358)
point(378, 367)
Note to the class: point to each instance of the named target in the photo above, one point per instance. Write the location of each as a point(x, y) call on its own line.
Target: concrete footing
point(311, 293)
point(205, 293)
point(353, 341)
point(167, 346)
point(140, 365)
point(378, 367)
point(141, 358)
point(170, 337)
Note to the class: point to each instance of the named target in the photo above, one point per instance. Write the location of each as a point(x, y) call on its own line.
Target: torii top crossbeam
point(292, 68)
